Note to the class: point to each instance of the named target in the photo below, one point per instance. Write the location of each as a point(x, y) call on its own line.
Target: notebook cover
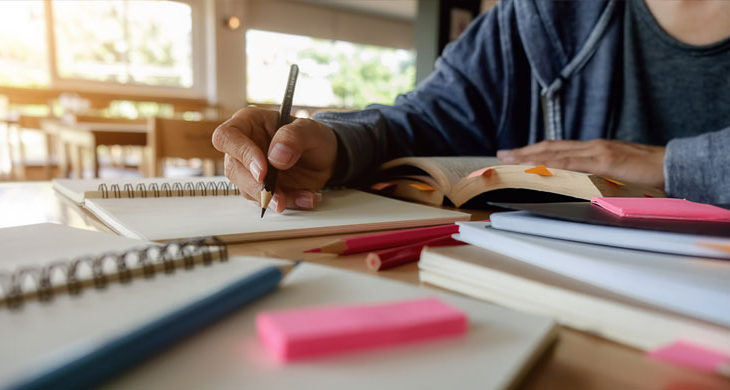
point(587, 213)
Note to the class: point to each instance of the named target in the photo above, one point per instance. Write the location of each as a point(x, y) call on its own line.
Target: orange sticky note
point(381, 186)
point(422, 187)
point(539, 170)
point(712, 245)
point(486, 172)
point(613, 181)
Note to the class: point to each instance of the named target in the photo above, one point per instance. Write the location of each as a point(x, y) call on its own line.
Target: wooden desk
point(75, 139)
point(577, 361)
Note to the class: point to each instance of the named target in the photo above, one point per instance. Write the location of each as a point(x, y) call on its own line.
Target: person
point(638, 91)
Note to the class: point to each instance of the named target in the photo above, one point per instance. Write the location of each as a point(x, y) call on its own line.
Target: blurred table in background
point(78, 139)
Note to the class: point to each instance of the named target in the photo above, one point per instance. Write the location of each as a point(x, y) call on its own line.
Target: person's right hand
point(304, 151)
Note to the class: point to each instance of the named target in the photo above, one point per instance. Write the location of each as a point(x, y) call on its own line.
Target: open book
point(458, 180)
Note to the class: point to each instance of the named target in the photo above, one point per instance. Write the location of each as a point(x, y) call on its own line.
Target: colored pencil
point(392, 257)
point(374, 242)
point(92, 368)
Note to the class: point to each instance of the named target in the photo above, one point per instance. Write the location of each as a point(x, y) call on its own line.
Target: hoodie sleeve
point(698, 168)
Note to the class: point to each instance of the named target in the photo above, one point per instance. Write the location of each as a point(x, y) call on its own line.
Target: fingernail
point(273, 203)
point(281, 154)
point(255, 169)
point(304, 200)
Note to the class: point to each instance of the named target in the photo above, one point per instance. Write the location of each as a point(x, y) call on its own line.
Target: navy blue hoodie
point(526, 71)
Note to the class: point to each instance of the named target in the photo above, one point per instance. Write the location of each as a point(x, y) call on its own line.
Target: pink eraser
point(662, 208)
point(308, 332)
point(689, 355)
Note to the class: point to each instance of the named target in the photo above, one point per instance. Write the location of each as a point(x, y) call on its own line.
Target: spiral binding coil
point(189, 188)
point(144, 262)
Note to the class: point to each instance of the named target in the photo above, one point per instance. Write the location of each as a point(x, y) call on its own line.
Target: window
point(137, 43)
point(332, 73)
point(23, 54)
point(124, 41)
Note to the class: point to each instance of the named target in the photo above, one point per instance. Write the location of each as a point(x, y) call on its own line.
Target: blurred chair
point(25, 107)
point(177, 138)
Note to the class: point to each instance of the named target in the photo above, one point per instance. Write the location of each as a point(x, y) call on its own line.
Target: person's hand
point(304, 151)
point(635, 163)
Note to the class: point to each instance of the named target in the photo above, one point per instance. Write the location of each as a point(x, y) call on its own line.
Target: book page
point(447, 171)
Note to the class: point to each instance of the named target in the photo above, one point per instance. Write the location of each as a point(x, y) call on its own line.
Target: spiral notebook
point(80, 289)
point(173, 209)
point(500, 346)
point(69, 260)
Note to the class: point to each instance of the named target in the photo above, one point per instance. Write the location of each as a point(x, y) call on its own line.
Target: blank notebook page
point(234, 218)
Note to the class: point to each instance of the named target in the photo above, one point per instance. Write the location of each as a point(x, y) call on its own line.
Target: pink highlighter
point(319, 331)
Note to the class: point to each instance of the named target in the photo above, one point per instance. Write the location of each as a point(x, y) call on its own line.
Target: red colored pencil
point(373, 242)
point(392, 257)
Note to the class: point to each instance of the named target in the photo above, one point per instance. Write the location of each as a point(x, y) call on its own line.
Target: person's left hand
point(635, 163)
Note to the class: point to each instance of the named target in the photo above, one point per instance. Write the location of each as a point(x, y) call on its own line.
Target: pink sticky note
point(662, 208)
point(481, 172)
point(689, 355)
point(309, 332)
point(381, 186)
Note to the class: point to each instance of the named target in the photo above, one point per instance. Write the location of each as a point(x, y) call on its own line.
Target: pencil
point(93, 367)
point(392, 257)
point(267, 192)
point(374, 242)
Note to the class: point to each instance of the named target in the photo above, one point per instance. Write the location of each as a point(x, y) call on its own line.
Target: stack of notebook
point(643, 282)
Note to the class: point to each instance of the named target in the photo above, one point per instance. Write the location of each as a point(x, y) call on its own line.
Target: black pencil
point(267, 192)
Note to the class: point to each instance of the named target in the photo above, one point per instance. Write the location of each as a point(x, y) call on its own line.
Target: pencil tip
point(263, 210)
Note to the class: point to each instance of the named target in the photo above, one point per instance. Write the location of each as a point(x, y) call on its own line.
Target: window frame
point(198, 63)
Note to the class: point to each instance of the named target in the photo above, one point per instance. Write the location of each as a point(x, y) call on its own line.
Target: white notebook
point(46, 260)
point(647, 240)
point(235, 219)
point(496, 278)
point(499, 347)
point(691, 286)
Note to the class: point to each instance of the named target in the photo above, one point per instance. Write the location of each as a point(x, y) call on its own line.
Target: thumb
point(290, 141)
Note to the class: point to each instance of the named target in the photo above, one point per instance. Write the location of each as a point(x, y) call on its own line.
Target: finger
point(549, 156)
point(234, 143)
point(241, 177)
point(290, 141)
point(300, 199)
point(549, 146)
point(257, 123)
point(589, 164)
